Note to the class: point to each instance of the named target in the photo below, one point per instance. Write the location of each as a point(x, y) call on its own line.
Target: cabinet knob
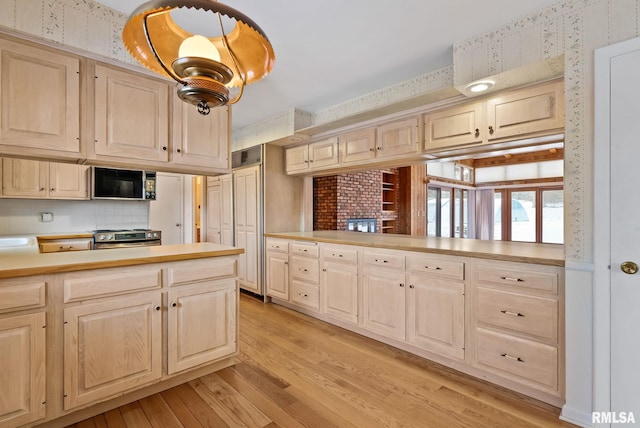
point(491, 130)
point(157, 308)
point(379, 148)
point(174, 304)
point(477, 132)
point(42, 189)
point(178, 150)
point(371, 149)
point(412, 286)
point(52, 189)
point(324, 270)
point(164, 148)
point(310, 160)
point(401, 285)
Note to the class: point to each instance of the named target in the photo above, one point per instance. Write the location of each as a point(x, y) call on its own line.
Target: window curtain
point(484, 214)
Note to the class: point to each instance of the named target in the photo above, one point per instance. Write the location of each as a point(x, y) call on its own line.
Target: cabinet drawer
point(340, 254)
point(305, 249)
point(305, 295)
point(277, 245)
point(305, 268)
point(436, 266)
point(201, 270)
point(384, 259)
point(110, 282)
point(525, 359)
point(65, 245)
point(29, 294)
point(536, 316)
point(541, 281)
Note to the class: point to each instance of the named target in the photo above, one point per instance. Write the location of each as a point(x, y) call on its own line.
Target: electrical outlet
point(46, 217)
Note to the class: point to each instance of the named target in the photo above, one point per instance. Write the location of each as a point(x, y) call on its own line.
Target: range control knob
point(149, 235)
point(101, 237)
point(109, 237)
point(155, 234)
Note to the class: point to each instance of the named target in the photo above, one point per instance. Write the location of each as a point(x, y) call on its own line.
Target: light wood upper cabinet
point(39, 102)
point(111, 346)
point(358, 146)
point(312, 156)
point(131, 115)
point(23, 178)
point(526, 111)
point(22, 369)
point(397, 138)
point(200, 140)
point(454, 127)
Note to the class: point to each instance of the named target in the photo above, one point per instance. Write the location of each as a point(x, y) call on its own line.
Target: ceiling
point(332, 51)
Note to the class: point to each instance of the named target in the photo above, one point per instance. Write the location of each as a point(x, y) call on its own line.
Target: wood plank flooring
point(295, 371)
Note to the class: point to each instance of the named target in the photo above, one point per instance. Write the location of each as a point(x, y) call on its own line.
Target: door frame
point(602, 223)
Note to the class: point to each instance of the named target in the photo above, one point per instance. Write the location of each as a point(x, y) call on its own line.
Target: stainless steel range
point(106, 238)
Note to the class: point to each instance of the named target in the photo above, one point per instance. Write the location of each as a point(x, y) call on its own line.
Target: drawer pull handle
point(303, 294)
point(518, 359)
point(433, 267)
point(334, 255)
point(67, 247)
point(381, 261)
point(304, 251)
point(302, 270)
point(515, 314)
point(510, 278)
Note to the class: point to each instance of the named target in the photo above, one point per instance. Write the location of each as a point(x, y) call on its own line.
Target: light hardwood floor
point(295, 371)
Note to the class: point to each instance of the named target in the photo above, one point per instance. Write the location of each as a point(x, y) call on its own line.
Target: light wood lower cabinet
point(201, 324)
point(501, 321)
point(22, 369)
point(111, 346)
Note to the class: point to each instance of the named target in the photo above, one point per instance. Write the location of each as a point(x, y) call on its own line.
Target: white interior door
point(167, 211)
point(625, 232)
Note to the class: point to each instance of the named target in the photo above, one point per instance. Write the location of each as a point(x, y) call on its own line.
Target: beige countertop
point(544, 254)
point(30, 263)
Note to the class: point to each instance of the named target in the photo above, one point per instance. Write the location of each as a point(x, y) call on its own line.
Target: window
point(449, 212)
point(535, 215)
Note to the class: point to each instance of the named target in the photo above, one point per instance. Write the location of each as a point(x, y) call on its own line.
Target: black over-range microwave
point(113, 183)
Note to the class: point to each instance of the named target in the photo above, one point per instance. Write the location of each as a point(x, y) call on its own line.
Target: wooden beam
point(520, 158)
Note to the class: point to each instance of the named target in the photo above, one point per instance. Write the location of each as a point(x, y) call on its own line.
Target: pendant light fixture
point(228, 51)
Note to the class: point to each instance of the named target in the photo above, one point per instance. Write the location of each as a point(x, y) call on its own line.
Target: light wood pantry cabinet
point(202, 309)
point(23, 345)
point(247, 226)
point(39, 102)
point(312, 156)
point(22, 178)
point(131, 116)
point(200, 140)
point(220, 209)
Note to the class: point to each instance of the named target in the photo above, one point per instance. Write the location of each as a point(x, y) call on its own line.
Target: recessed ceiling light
point(480, 86)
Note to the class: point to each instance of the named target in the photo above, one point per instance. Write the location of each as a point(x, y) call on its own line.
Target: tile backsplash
point(22, 216)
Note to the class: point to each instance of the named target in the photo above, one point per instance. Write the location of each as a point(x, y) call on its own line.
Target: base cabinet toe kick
point(80, 343)
point(502, 321)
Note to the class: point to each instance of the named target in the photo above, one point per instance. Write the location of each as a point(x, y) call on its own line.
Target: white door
point(617, 294)
point(166, 212)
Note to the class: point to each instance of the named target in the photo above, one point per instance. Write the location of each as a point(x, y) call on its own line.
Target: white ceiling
point(332, 51)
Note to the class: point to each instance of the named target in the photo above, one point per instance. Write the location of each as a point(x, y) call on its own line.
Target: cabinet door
point(358, 145)
point(201, 324)
point(24, 178)
point(339, 289)
point(40, 101)
point(22, 369)
point(383, 298)
point(278, 275)
point(397, 138)
point(247, 229)
point(131, 115)
point(453, 127)
point(110, 347)
point(200, 140)
point(297, 158)
point(227, 210)
point(68, 181)
point(435, 315)
point(526, 111)
point(323, 153)
point(214, 211)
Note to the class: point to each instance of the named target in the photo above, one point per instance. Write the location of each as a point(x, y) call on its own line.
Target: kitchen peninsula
point(87, 331)
point(491, 309)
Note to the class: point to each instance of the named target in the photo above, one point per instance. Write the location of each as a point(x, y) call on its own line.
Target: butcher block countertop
point(29, 263)
point(543, 254)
